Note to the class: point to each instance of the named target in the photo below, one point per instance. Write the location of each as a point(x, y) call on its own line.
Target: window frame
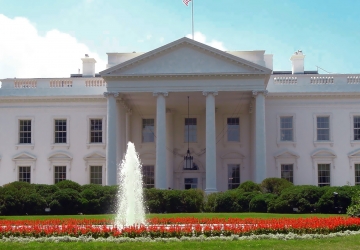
point(142, 174)
point(196, 130)
point(24, 166)
point(60, 145)
point(66, 172)
point(317, 171)
point(141, 129)
point(228, 178)
point(352, 134)
point(227, 130)
point(90, 144)
point(102, 173)
point(292, 171)
point(17, 125)
point(329, 142)
point(278, 129)
point(356, 183)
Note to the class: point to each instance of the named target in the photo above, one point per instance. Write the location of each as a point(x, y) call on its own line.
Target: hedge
point(272, 195)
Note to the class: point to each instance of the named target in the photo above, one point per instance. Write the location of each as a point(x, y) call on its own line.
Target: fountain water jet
point(130, 202)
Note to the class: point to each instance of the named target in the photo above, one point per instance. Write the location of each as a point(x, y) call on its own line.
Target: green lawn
point(197, 215)
point(346, 242)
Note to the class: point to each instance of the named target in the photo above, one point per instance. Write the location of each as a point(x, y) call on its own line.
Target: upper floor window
point(96, 131)
point(286, 128)
point(323, 128)
point(233, 129)
point(356, 128)
point(25, 131)
point(60, 131)
point(190, 130)
point(148, 130)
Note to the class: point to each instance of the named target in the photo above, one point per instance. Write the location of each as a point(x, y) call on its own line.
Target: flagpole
point(192, 18)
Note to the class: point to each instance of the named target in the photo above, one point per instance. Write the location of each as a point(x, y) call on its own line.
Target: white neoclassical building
point(245, 121)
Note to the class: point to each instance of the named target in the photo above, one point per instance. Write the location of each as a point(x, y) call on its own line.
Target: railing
point(25, 83)
point(353, 79)
point(322, 80)
point(285, 80)
point(60, 83)
point(95, 83)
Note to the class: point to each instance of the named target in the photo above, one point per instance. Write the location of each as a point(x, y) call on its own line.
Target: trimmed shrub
point(354, 209)
point(66, 201)
point(249, 186)
point(335, 199)
point(193, 200)
point(259, 203)
point(154, 200)
point(46, 191)
point(69, 184)
point(275, 185)
point(210, 202)
point(302, 197)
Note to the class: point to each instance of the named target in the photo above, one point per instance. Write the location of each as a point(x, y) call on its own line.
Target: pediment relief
point(24, 156)
point(60, 156)
point(232, 155)
point(185, 56)
point(286, 154)
point(323, 153)
point(95, 156)
point(354, 154)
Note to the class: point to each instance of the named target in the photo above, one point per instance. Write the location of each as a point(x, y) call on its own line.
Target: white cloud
point(26, 54)
point(202, 39)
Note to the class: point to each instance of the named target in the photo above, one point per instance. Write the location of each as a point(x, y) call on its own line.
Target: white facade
point(294, 124)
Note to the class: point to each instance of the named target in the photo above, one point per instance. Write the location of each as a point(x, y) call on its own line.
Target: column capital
point(111, 93)
point(163, 93)
point(206, 93)
point(256, 92)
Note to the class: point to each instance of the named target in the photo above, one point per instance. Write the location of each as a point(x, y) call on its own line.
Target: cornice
point(312, 95)
point(47, 99)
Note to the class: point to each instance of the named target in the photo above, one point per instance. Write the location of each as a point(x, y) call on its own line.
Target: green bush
point(66, 201)
point(304, 198)
point(46, 191)
point(154, 200)
point(335, 199)
point(69, 184)
point(249, 186)
point(193, 200)
point(210, 202)
point(275, 185)
point(259, 203)
point(354, 209)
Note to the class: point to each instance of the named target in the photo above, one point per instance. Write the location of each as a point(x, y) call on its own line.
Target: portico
point(220, 85)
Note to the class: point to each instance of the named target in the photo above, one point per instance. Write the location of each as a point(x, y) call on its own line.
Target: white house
point(245, 121)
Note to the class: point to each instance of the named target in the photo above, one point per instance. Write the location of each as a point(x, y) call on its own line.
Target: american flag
point(186, 2)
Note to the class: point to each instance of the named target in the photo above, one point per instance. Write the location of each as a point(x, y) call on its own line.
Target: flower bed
point(177, 227)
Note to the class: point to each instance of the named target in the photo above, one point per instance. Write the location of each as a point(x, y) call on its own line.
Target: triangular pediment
point(24, 156)
point(286, 154)
point(60, 156)
point(185, 57)
point(323, 153)
point(95, 156)
point(355, 153)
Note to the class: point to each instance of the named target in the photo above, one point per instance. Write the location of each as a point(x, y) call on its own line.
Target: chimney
point(297, 60)
point(88, 66)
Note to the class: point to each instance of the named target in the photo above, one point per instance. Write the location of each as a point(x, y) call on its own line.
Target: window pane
point(233, 129)
point(287, 172)
point(148, 176)
point(96, 131)
point(356, 128)
point(96, 175)
point(233, 176)
point(59, 173)
point(190, 130)
point(323, 175)
point(24, 131)
point(357, 174)
point(190, 183)
point(286, 128)
point(25, 174)
point(60, 131)
point(323, 128)
point(148, 130)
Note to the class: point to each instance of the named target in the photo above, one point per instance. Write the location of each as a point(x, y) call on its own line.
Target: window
point(25, 131)
point(356, 128)
point(233, 176)
point(286, 128)
point(60, 173)
point(148, 130)
point(60, 131)
point(190, 183)
point(190, 130)
point(96, 131)
point(323, 128)
point(25, 174)
point(323, 175)
point(96, 175)
point(233, 129)
point(148, 176)
point(357, 174)
point(287, 171)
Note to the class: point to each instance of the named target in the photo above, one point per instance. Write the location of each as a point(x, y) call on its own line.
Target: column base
point(210, 190)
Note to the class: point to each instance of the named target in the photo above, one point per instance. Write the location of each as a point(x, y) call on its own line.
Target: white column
point(170, 147)
point(121, 132)
point(210, 142)
point(111, 164)
point(160, 167)
point(128, 126)
point(260, 136)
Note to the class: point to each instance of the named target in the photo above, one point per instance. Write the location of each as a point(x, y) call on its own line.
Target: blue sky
point(328, 32)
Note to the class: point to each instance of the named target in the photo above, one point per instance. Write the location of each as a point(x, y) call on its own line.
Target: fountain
point(130, 204)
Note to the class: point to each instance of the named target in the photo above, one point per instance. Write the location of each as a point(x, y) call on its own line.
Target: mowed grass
point(195, 215)
point(346, 242)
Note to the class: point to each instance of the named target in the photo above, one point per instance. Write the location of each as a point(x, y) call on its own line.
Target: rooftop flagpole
point(192, 18)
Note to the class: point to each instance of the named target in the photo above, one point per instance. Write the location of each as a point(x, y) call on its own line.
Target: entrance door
point(190, 183)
